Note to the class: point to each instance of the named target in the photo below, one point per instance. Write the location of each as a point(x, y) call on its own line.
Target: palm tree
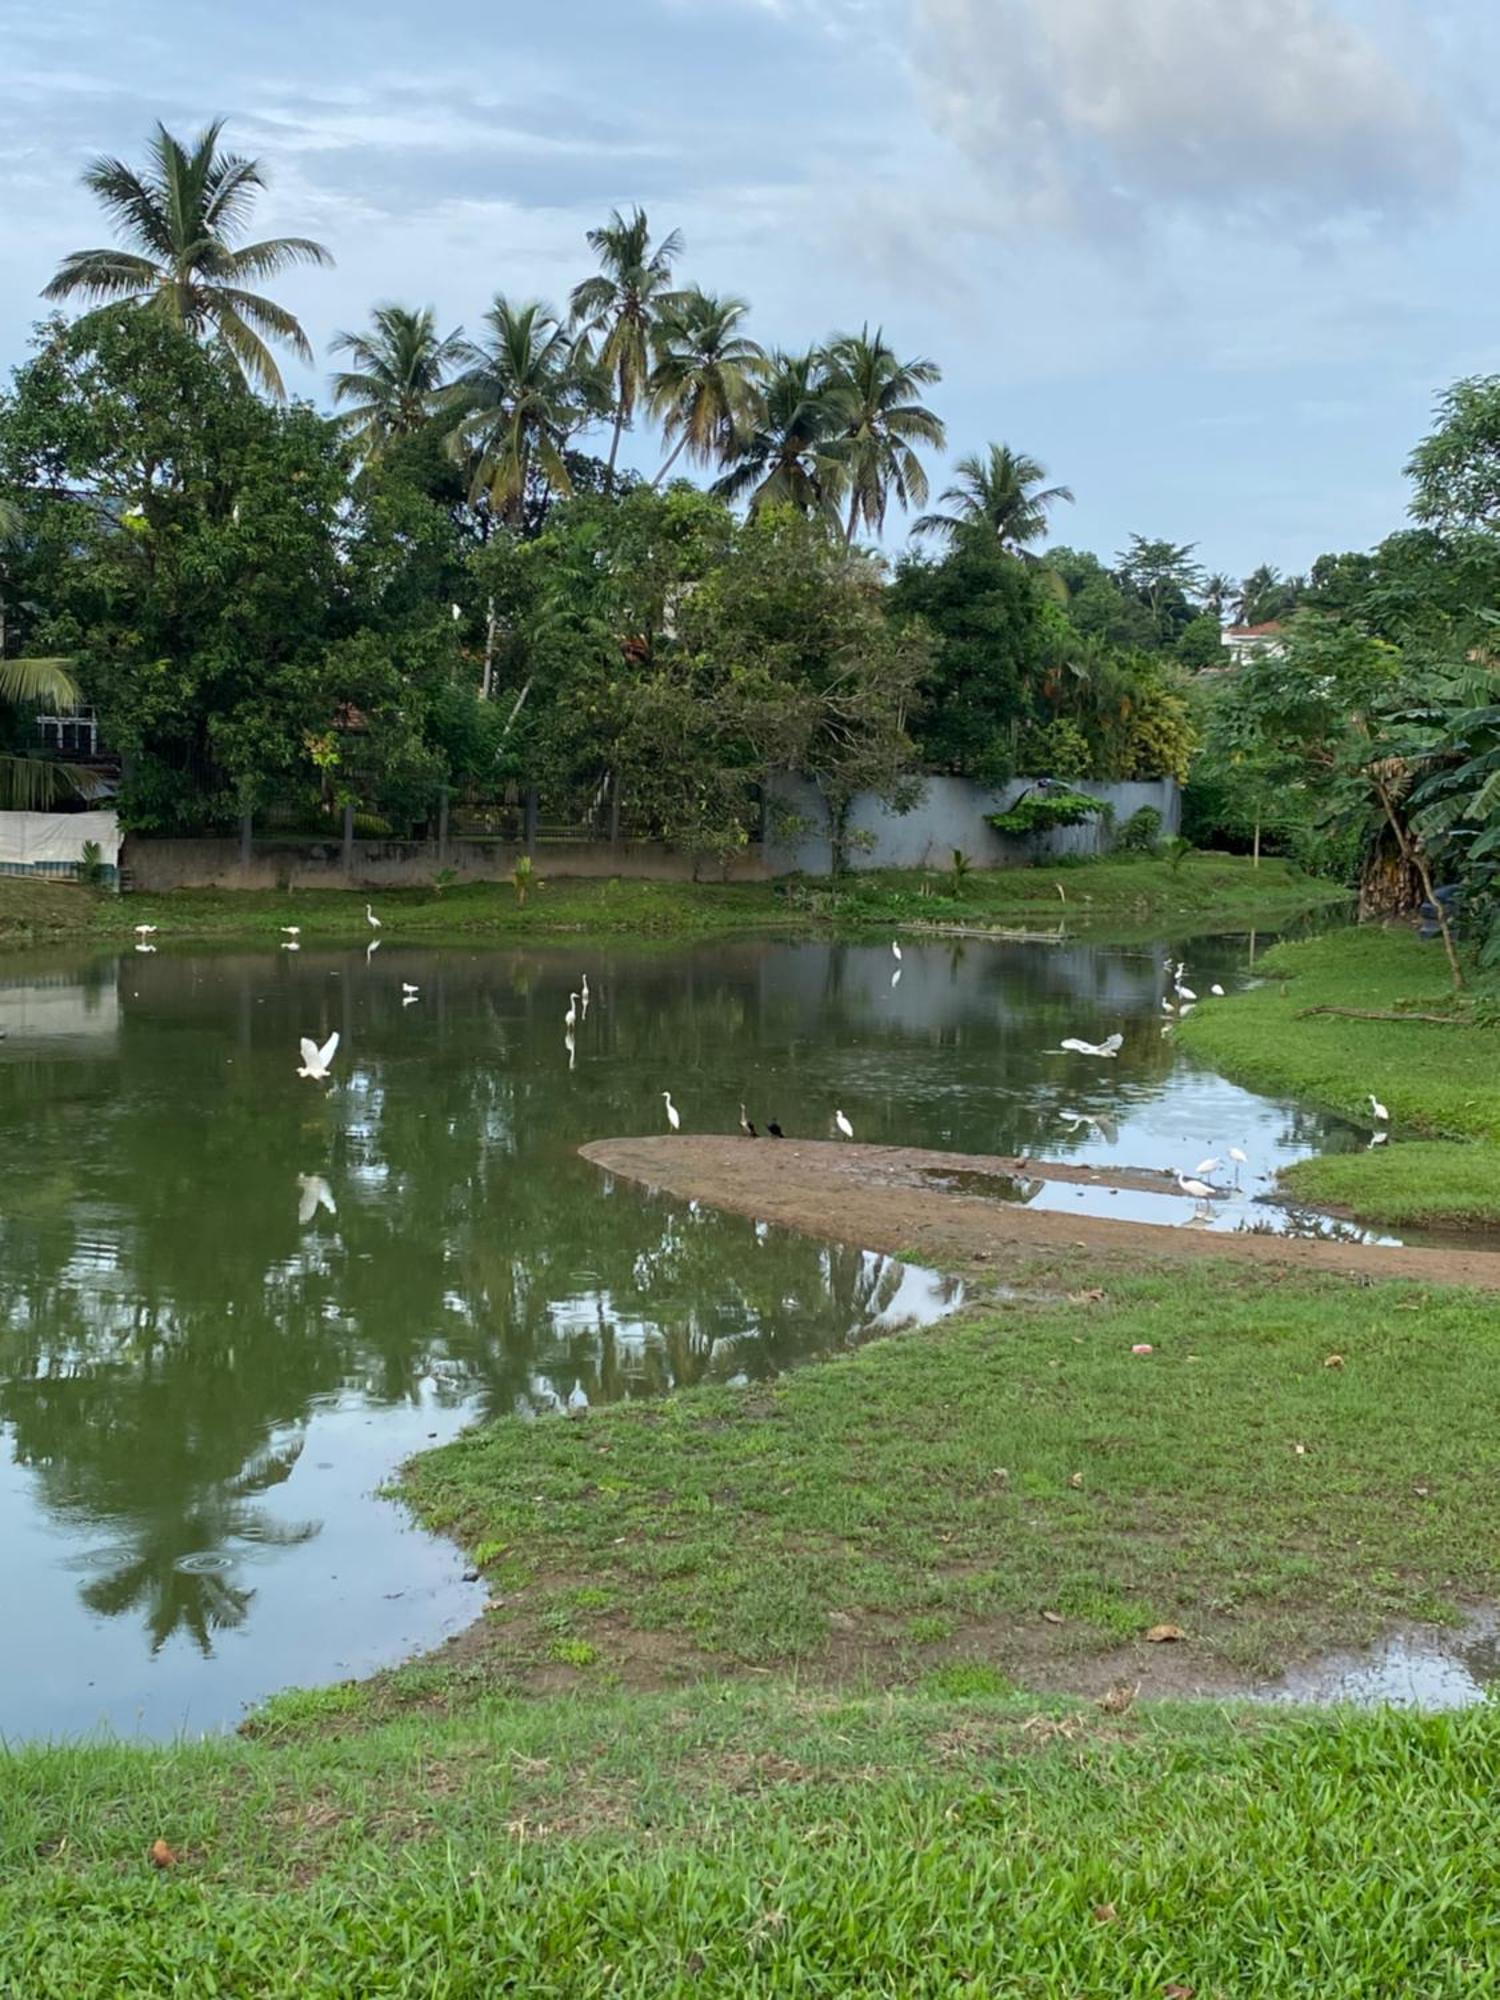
point(623, 304)
point(704, 380)
point(30, 782)
point(522, 397)
point(1266, 595)
point(876, 395)
point(179, 219)
point(1218, 593)
point(396, 385)
point(1003, 493)
point(787, 452)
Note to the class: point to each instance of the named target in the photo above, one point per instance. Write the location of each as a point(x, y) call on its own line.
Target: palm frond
point(103, 274)
point(39, 683)
point(275, 255)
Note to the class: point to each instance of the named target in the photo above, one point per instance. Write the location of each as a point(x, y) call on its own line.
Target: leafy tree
point(704, 378)
point(1456, 467)
point(523, 396)
point(1002, 492)
point(181, 217)
point(29, 781)
point(1098, 606)
point(1266, 595)
point(1165, 577)
point(787, 453)
point(1200, 644)
point(622, 307)
point(876, 397)
point(395, 387)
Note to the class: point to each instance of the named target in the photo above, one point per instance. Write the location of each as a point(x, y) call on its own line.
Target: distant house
point(1248, 642)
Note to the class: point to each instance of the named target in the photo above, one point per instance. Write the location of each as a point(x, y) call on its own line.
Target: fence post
point(349, 838)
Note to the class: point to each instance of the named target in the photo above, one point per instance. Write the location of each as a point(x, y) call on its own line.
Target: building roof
point(1268, 630)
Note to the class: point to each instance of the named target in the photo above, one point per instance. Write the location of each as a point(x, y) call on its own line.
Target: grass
point(1440, 1081)
point(746, 1841)
point(1208, 891)
point(1016, 1487)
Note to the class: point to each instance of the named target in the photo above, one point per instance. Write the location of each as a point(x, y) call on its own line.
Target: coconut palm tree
point(1218, 594)
point(884, 422)
point(622, 305)
point(396, 386)
point(180, 219)
point(705, 376)
point(30, 782)
point(1002, 492)
point(787, 451)
point(522, 397)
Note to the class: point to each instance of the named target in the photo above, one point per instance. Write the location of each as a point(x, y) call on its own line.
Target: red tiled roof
point(1256, 631)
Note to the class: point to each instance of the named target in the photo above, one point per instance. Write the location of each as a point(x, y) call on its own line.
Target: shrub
point(1039, 812)
point(91, 869)
point(1141, 833)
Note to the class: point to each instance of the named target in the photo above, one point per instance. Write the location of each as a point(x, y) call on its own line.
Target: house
point(1248, 642)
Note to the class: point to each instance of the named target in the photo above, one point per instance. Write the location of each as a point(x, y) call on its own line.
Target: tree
point(181, 217)
point(29, 781)
point(704, 379)
point(1165, 578)
point(522, 398)
point(395, 389)
point(622, 305)
point(1002, 492)
point(1218, 594)
point(1456, 467)
point(1266, 595)
point(787, 454)
point(876, 397)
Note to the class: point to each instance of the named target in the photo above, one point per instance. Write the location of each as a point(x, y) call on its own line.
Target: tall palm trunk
point(676, 453)
point(614, 443)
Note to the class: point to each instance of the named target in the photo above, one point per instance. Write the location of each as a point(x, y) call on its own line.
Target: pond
point(233, 1301)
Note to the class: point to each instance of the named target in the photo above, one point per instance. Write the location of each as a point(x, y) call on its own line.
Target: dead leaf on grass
point(1054, 1618)
point(1120, 1697)
point(1076, 1480)
point(162, 1856)
point(1165, 1635)
point(1105, 1913)
point(1334, 1361)
point(1175, 1990)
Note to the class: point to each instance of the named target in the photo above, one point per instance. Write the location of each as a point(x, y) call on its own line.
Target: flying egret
point(673, 1117)
point(895, 951)
point(1377, 1109)
point(747, 1125)
point(371, 919)
point(314, 1193)
point(570, 1019)
point(578, 1400)
point(407, 987)
point(315, 1060)
point(842, 1125)
point(291, 930)
point(1199, 1190)
point(1111, 1047)
point(145, 930)
point(774, 1128)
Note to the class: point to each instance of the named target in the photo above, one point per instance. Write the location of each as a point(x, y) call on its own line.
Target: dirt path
point(884, 1198)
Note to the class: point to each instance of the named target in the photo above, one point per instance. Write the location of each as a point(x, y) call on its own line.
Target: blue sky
point(1210, 260)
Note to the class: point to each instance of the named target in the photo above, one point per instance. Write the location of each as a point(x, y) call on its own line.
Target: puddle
point(1430, 1667)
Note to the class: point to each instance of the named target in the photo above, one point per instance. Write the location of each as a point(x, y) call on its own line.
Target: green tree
point(522, 396)
point(29, 781)
point(1166, 577)
point(1002, 492)
point(396, 386)
point(876, 396)
point(1266, 595)
point(787, 453)
point(703, 382)
point(181, 218)
point(1455, 470)
point(622, 305)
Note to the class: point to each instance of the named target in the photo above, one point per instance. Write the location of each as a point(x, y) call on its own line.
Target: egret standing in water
point(1199, 1190)
point(842, 1126)
point(673, 1118)
point(371, 919)
point(895, 951)
point(570, 1019)
point(578, 1401)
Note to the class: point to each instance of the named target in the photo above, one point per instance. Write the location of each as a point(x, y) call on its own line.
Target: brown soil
point(891, 1198)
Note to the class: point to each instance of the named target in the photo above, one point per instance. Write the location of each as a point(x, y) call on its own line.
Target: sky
point(1210, 261)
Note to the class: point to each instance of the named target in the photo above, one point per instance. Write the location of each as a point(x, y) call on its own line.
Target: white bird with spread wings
point(316, 1061)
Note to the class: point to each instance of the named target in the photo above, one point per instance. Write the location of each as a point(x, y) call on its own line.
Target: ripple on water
point(204, 1562)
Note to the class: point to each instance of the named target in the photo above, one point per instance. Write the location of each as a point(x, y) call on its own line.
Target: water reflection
point(231, 1301)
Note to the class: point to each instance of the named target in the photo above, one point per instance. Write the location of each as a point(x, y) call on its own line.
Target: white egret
point(842, 1125)
point(1240, 1157)
point(570, 1019)
point(1111, 1047)
point(1217, 991)
point(578, 1400)
point(407, 987)
point(747, 1124)
point(1378, 1110)
point(314, 1193)
point(1185, 1009)
point(458, 612)
point(315, 1060)
point(371, 919)
point(673, 1117)
point(1208, 1166)
point(291, 930)
point(1199, 1190)
point(1184, 992)
point(895, 951)
point(145, 930)
point(1168, 1005)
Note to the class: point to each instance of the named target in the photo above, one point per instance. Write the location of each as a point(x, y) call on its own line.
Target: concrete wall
point(406, 864)
point(950, 815)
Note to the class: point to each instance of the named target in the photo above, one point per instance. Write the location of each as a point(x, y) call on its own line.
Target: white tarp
point(52, 843)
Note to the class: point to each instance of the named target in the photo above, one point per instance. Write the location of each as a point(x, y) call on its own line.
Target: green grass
point(1439, 1081)
point(738, 1842)
point(932, 1478)
point(1208, 891)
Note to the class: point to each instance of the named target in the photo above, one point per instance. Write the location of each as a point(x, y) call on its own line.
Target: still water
point(231, 1302)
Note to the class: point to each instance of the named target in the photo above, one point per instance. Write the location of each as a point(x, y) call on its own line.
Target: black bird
point(775, 1130)
point(746, 1127)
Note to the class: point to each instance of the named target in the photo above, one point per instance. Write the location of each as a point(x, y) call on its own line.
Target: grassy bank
point(1205, 892)
point(1440, 1079)
point(1018, 1488)
point(758, 1842)
point(903, 1513)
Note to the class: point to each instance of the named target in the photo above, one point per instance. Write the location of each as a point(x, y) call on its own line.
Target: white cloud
point(1084, 113)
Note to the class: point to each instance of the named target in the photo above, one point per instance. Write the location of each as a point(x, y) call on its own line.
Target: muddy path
point(933, 1207)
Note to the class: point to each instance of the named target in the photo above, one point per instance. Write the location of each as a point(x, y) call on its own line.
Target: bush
point(91, 870)
point(1141, 833)
point(1039, 812)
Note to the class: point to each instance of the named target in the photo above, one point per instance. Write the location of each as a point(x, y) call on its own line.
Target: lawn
point(1205, 892)
point(1292, 1465)
point(737, 1841)
point(1439, 1079)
